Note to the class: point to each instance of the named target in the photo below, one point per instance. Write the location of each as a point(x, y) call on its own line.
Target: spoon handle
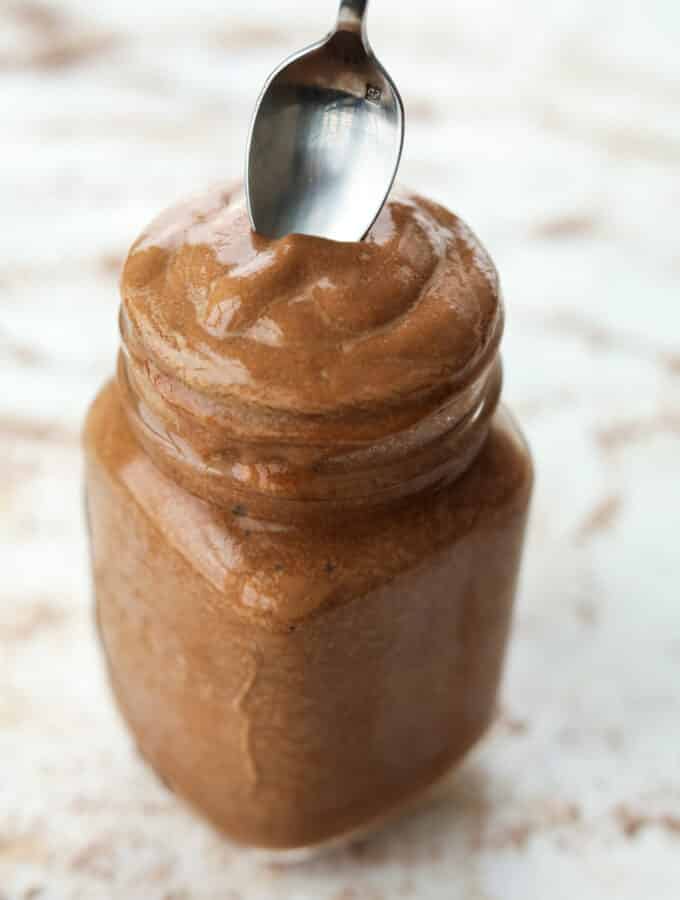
point(352, 15)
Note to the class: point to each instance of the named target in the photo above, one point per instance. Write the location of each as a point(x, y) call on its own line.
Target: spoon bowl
point(326, 138)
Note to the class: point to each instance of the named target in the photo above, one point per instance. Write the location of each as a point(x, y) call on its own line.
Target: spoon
point(326, 138)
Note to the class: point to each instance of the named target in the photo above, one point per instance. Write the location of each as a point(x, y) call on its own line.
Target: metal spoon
point(326, 138)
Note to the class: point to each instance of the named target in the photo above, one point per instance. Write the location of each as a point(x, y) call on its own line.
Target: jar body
point(289, 724)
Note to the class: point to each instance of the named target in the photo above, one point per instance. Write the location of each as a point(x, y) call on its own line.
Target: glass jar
point(304, 604)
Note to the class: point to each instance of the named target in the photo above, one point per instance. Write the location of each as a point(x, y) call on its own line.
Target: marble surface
point(555, 130)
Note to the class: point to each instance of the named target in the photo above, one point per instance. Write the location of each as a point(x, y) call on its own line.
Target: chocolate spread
point(307, 512)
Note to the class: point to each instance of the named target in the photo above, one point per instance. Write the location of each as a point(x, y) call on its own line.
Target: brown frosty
point(307, 512)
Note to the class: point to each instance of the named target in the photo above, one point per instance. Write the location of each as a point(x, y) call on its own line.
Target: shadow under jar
point(307, 512)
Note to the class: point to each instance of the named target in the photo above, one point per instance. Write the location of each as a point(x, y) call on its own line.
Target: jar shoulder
point(281, 574)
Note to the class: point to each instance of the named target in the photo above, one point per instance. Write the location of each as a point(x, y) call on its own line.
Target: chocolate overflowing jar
point(307, 511)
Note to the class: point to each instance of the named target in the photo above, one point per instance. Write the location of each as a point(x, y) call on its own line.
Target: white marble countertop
point(555, 130)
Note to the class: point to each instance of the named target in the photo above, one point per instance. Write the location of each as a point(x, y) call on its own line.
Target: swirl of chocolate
point(358, 360)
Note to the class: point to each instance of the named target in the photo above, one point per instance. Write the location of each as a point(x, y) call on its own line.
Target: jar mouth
point(294, 373)
point(311, 329)
point(284, 468)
